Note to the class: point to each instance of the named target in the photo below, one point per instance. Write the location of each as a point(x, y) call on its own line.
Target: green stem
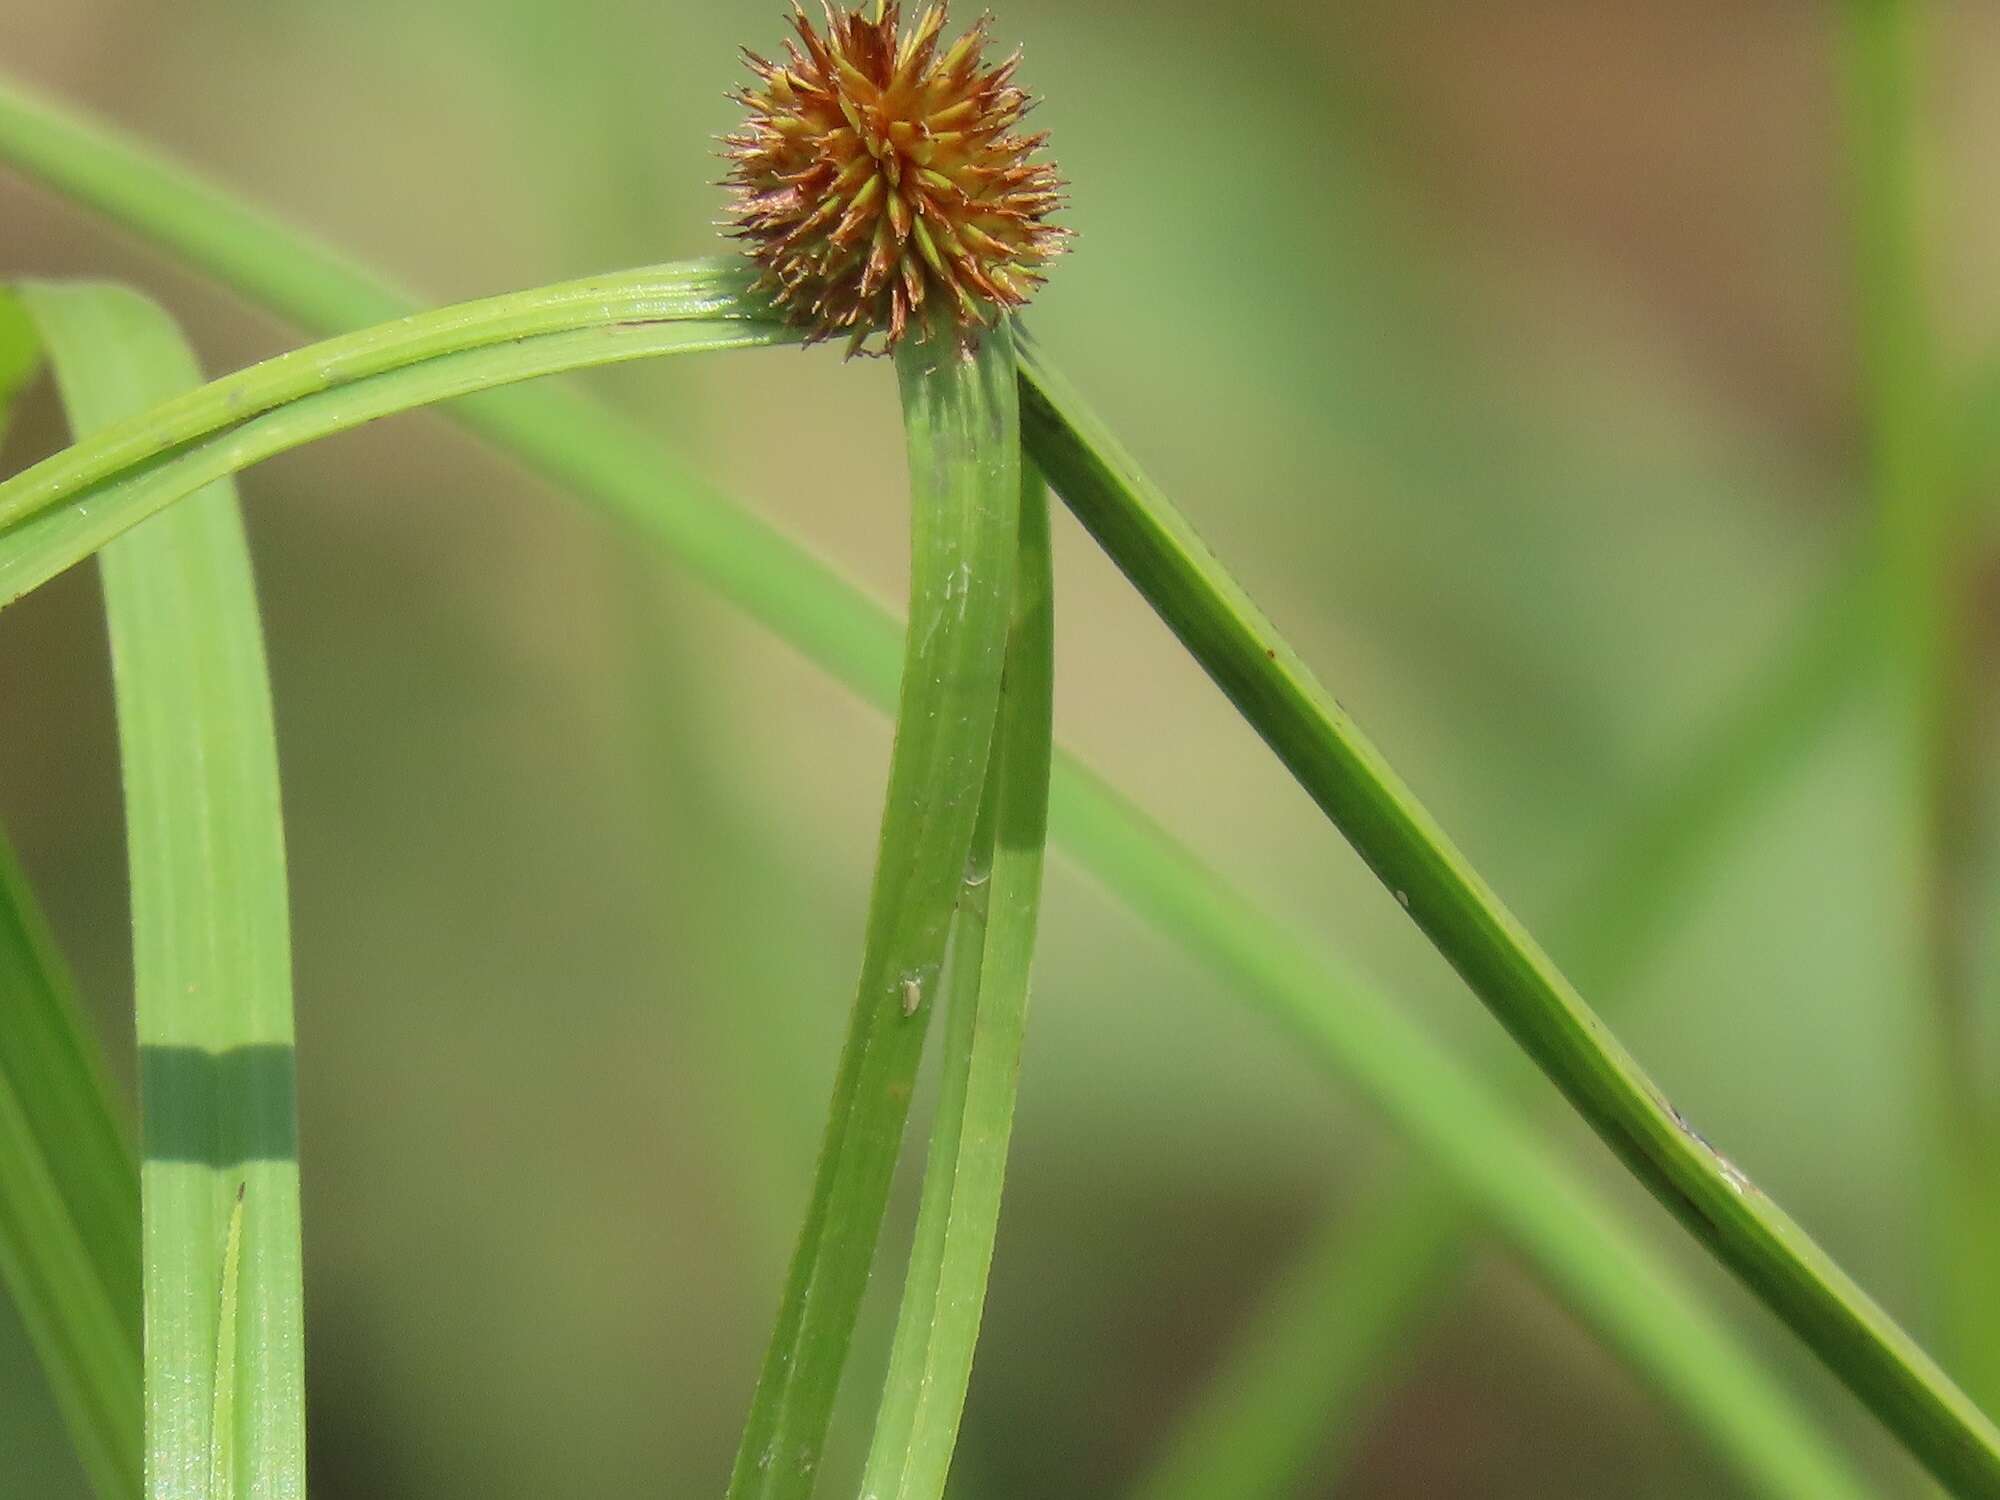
point(944, 1293)
point(1402, 843)
point(964, 446)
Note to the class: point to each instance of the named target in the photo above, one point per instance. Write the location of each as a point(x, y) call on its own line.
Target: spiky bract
point(882, 185)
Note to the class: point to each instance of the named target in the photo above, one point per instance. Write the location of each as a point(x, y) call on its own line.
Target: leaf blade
point(681, 292)
point(69, 1188)
point(963, 436)
point(944, 1292)
point(212, 953)
point(87, 517)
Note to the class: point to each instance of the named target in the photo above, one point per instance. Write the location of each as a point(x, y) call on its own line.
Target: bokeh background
point(1507, 354)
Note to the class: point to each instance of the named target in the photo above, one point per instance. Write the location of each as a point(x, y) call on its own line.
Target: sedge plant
point(889, 199)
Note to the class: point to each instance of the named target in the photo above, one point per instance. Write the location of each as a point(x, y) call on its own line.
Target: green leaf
point(686, 292)
point(963, 432)
point(211, 937)
point(944, 1292)
point(1159, 551)
point(69, 1191)
point(69, 1198)
point(83, 516)
point(1662, 1328)
point(1307, 1370)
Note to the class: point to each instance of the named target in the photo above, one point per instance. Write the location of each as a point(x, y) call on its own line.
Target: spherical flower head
point(881, 183)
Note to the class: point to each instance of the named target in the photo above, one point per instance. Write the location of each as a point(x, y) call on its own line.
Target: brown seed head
point(881, 184)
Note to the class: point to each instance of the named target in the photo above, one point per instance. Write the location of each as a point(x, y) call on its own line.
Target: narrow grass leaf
point(69, 1198)
point(577, 444)
point(88, 516)
point(1301, 1380)
point(916, 1314)
point(689, 291)
point(1466, 921)
point(963, 433)
point(69, 1190)
point(211, 938)
point(944, 1292)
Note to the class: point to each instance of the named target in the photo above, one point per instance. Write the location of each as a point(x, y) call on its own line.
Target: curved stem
point(84, 519)
point(688, 291)
point(963, 429)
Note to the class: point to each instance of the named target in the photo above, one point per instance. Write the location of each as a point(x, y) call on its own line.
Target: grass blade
point(688, 291)
point(85, 518)
point(579, 445)
point(937, 1327)
point(69, 1199)
point(1467, 922)
point(965, 481)
point(69, 1190)
point(211, 938)
point(1286, 1392)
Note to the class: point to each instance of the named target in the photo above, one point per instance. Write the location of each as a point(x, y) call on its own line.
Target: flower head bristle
point(881, 184)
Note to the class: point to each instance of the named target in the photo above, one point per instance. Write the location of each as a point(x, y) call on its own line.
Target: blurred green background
point(1506, 354)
